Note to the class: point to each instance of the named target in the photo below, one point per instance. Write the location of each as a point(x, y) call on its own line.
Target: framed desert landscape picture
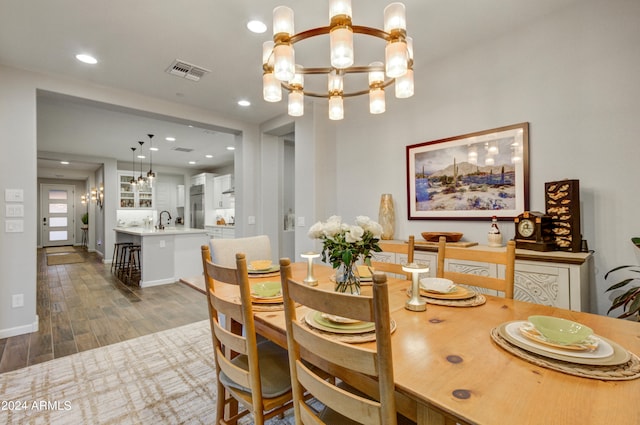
point(470, 177)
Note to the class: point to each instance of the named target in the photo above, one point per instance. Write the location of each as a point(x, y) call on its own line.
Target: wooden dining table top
point(446, 363)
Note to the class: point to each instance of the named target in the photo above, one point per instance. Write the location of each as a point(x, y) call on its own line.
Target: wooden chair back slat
point(506, 258)
point(236, 337)
point(306, 345)
point(407, 249)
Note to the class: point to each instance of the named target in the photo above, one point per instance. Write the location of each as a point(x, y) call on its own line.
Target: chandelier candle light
point(281, 71)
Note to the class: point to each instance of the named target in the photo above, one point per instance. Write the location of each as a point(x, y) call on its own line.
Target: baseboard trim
point(20, 330)
point(157, 282)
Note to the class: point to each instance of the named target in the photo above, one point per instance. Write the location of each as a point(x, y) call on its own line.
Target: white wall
point(18, 170)
point(573, 76)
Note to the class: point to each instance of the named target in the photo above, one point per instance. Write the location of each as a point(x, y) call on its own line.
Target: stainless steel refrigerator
point(196, 196)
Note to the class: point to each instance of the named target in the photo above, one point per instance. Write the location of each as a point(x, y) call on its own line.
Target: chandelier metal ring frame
point(357, 29)
point(280, 70)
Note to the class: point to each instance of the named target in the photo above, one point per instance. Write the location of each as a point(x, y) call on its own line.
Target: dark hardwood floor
point(83, 306)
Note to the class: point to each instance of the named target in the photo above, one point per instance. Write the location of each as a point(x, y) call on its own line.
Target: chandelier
point(281, 71)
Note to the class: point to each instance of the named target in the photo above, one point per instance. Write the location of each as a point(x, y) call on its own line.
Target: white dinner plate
point(620, 354)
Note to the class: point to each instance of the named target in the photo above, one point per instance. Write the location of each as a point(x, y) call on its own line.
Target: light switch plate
point(14, 210)
point(14, 226)
point(14, 195)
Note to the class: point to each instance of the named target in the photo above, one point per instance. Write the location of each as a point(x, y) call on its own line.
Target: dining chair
point(309, 351)
point(397, 248)
point(506, 258)
point(251, 373)
point(223, 251)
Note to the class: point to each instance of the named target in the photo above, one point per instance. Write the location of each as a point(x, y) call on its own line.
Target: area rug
point(59, 249)
point(57, 259)
point(161, 378)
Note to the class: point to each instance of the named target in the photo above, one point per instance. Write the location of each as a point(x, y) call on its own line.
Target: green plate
point(358, 327)
point(267, 289)
point(275, 268)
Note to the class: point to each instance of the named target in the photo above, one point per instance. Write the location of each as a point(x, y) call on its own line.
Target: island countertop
point(166, 255)
point(143, 231)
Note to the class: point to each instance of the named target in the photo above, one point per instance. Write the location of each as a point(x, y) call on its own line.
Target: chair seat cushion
point(274, 370)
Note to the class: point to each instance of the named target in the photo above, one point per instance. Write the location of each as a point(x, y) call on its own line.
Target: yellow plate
point(461, 293)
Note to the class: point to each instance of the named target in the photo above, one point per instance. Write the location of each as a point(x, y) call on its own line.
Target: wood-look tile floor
point(83, 306)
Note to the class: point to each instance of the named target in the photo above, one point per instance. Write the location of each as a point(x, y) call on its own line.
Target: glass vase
point(387, 216)
point(348, 279)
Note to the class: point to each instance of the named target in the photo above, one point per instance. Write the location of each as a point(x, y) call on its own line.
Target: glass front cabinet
point(133, 196)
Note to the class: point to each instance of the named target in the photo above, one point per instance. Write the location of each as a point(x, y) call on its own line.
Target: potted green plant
point(630, 299)
point(85, 218)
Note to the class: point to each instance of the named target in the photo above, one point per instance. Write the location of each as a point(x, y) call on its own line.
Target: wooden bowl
point(435, 236)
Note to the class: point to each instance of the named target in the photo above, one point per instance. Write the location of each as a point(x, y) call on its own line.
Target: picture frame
point(474, 176)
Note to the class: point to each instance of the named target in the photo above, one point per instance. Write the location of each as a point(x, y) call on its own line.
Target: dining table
point(452, 364)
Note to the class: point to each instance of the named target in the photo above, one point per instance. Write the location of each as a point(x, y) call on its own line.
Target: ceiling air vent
point(182, 149)
point(186, 70)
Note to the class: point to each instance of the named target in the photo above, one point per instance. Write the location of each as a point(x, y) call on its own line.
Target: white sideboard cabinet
point(559, 279)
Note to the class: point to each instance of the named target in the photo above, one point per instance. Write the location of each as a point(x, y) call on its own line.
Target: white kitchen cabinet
point(222, 184)
point(198, 179)
point(133, 196)
point(221, 232)
point(208, 205)
point(559, 279)
point(180, 196)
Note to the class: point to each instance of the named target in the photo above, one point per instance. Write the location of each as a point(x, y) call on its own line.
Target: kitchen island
point(166, 255)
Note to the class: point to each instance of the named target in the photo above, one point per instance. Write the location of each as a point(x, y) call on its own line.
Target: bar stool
point(118, 249)
point(123, 262)
point(133, 266)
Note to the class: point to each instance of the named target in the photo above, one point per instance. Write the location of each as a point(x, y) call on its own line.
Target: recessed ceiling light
point(231, 148)
point(192, 163)
point(64, 162)
point(244, 102)
point(256, 26)
point(170, 139)
point(141, 157)
point(87, 59)
point(154, 149)
point(208, 156)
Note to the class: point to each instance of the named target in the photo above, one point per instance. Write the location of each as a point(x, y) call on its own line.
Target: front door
point(57, 214)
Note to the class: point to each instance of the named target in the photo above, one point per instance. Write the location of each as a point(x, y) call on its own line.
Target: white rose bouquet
point(344, 244)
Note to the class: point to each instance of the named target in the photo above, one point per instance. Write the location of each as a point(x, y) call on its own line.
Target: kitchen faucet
point(160, 225)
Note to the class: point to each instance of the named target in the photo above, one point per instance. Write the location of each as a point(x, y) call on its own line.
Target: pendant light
point(133, 181)
point(150, 175)
point(141, 179)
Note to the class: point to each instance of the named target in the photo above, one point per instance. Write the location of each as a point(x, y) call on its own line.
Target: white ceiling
point(135, 42)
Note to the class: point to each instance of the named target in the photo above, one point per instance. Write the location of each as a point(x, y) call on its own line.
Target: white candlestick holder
point(310, 279)
point(415, 303)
